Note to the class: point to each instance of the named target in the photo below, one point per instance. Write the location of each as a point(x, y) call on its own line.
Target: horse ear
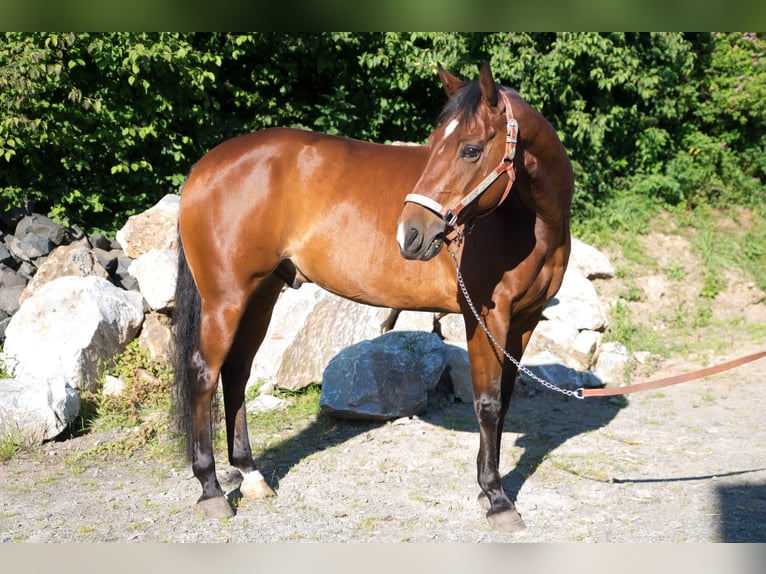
point(451, 83)
point(487, 85)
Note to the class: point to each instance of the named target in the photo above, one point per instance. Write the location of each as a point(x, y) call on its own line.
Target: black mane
point(465, 102)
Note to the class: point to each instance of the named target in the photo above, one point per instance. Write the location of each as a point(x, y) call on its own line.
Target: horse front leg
point(493, 381)
point(491, 406)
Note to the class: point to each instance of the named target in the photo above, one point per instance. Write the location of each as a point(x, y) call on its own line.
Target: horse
point(367, 222)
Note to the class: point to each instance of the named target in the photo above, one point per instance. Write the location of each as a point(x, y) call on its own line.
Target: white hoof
point(254, 486)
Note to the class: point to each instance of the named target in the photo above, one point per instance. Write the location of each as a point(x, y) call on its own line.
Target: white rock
point(415, 321)
point(155, 228)
point(555, 335)
point(38, 410)
point(612, 362)
point(319, 331)
point(156, 272)
point(553, 369)
point(113, 386)
point(453, 328)
point(584, 350)
point(589, 261)
point(577, 303)
point(265, 403)
point(70, 329)
point(290, 313)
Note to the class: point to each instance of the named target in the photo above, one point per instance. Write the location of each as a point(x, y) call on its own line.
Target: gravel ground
point(686, 463)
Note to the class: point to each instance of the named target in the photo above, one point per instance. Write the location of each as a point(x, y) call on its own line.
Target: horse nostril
point(412, 241)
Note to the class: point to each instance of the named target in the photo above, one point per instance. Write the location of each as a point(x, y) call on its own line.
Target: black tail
point(186, 320)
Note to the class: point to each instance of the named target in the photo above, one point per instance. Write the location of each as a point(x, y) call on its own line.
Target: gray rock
point(10, 278)
point(122, 276)
point(460, 373)
point(41, 226)
point(100, 241)
point(29, 247)
point(12, 285)
point(385, 378)
point(10, 299)
point(4, 320)
point(108, 259)
point(5, 255)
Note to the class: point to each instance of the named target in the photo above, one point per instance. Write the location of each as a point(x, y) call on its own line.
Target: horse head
point(469, 171)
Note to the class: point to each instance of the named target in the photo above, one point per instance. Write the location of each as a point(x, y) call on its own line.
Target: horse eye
point(471, 152)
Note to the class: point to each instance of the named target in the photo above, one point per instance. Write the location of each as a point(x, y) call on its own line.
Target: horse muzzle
point(416, 244)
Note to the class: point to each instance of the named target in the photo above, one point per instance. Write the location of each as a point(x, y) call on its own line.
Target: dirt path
point(684, 464)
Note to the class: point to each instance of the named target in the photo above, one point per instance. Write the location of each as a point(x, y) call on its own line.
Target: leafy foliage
point(97, 126)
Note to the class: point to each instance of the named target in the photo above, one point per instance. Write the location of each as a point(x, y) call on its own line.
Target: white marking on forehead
point(450, 127)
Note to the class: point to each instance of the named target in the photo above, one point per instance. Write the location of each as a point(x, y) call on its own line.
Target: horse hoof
point(254, 486)
point(508, 520)
point(217, 507)
point(483, 501)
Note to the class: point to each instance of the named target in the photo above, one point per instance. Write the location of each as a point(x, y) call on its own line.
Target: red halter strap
point(450, 215)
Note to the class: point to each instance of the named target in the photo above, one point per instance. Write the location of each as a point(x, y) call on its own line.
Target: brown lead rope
point(582, 392)
point(659, 383)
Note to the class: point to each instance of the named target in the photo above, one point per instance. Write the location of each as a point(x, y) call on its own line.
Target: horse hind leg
point(219, 340)
point(235, 374)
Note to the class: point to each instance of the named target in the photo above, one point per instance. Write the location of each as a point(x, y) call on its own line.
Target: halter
point(450, 215)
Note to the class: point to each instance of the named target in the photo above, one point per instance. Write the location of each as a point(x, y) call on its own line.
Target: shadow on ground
point(543, 420)
point(742, 511)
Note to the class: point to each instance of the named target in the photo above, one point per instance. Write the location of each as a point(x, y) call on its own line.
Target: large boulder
point(309, 327)
point(70, 329)
point(36, 410)
point(385, 378)
point(290, 313)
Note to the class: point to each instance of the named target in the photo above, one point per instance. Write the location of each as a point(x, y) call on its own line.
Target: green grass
point(726, 242)
point(270, 428)
point(11, 442)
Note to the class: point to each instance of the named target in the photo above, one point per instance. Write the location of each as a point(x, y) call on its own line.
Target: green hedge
point(95, 127)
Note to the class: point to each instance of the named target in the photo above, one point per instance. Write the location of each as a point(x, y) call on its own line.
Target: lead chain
point(577, 393)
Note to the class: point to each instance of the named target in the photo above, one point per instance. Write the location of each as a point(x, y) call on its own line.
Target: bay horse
point(366, 222)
